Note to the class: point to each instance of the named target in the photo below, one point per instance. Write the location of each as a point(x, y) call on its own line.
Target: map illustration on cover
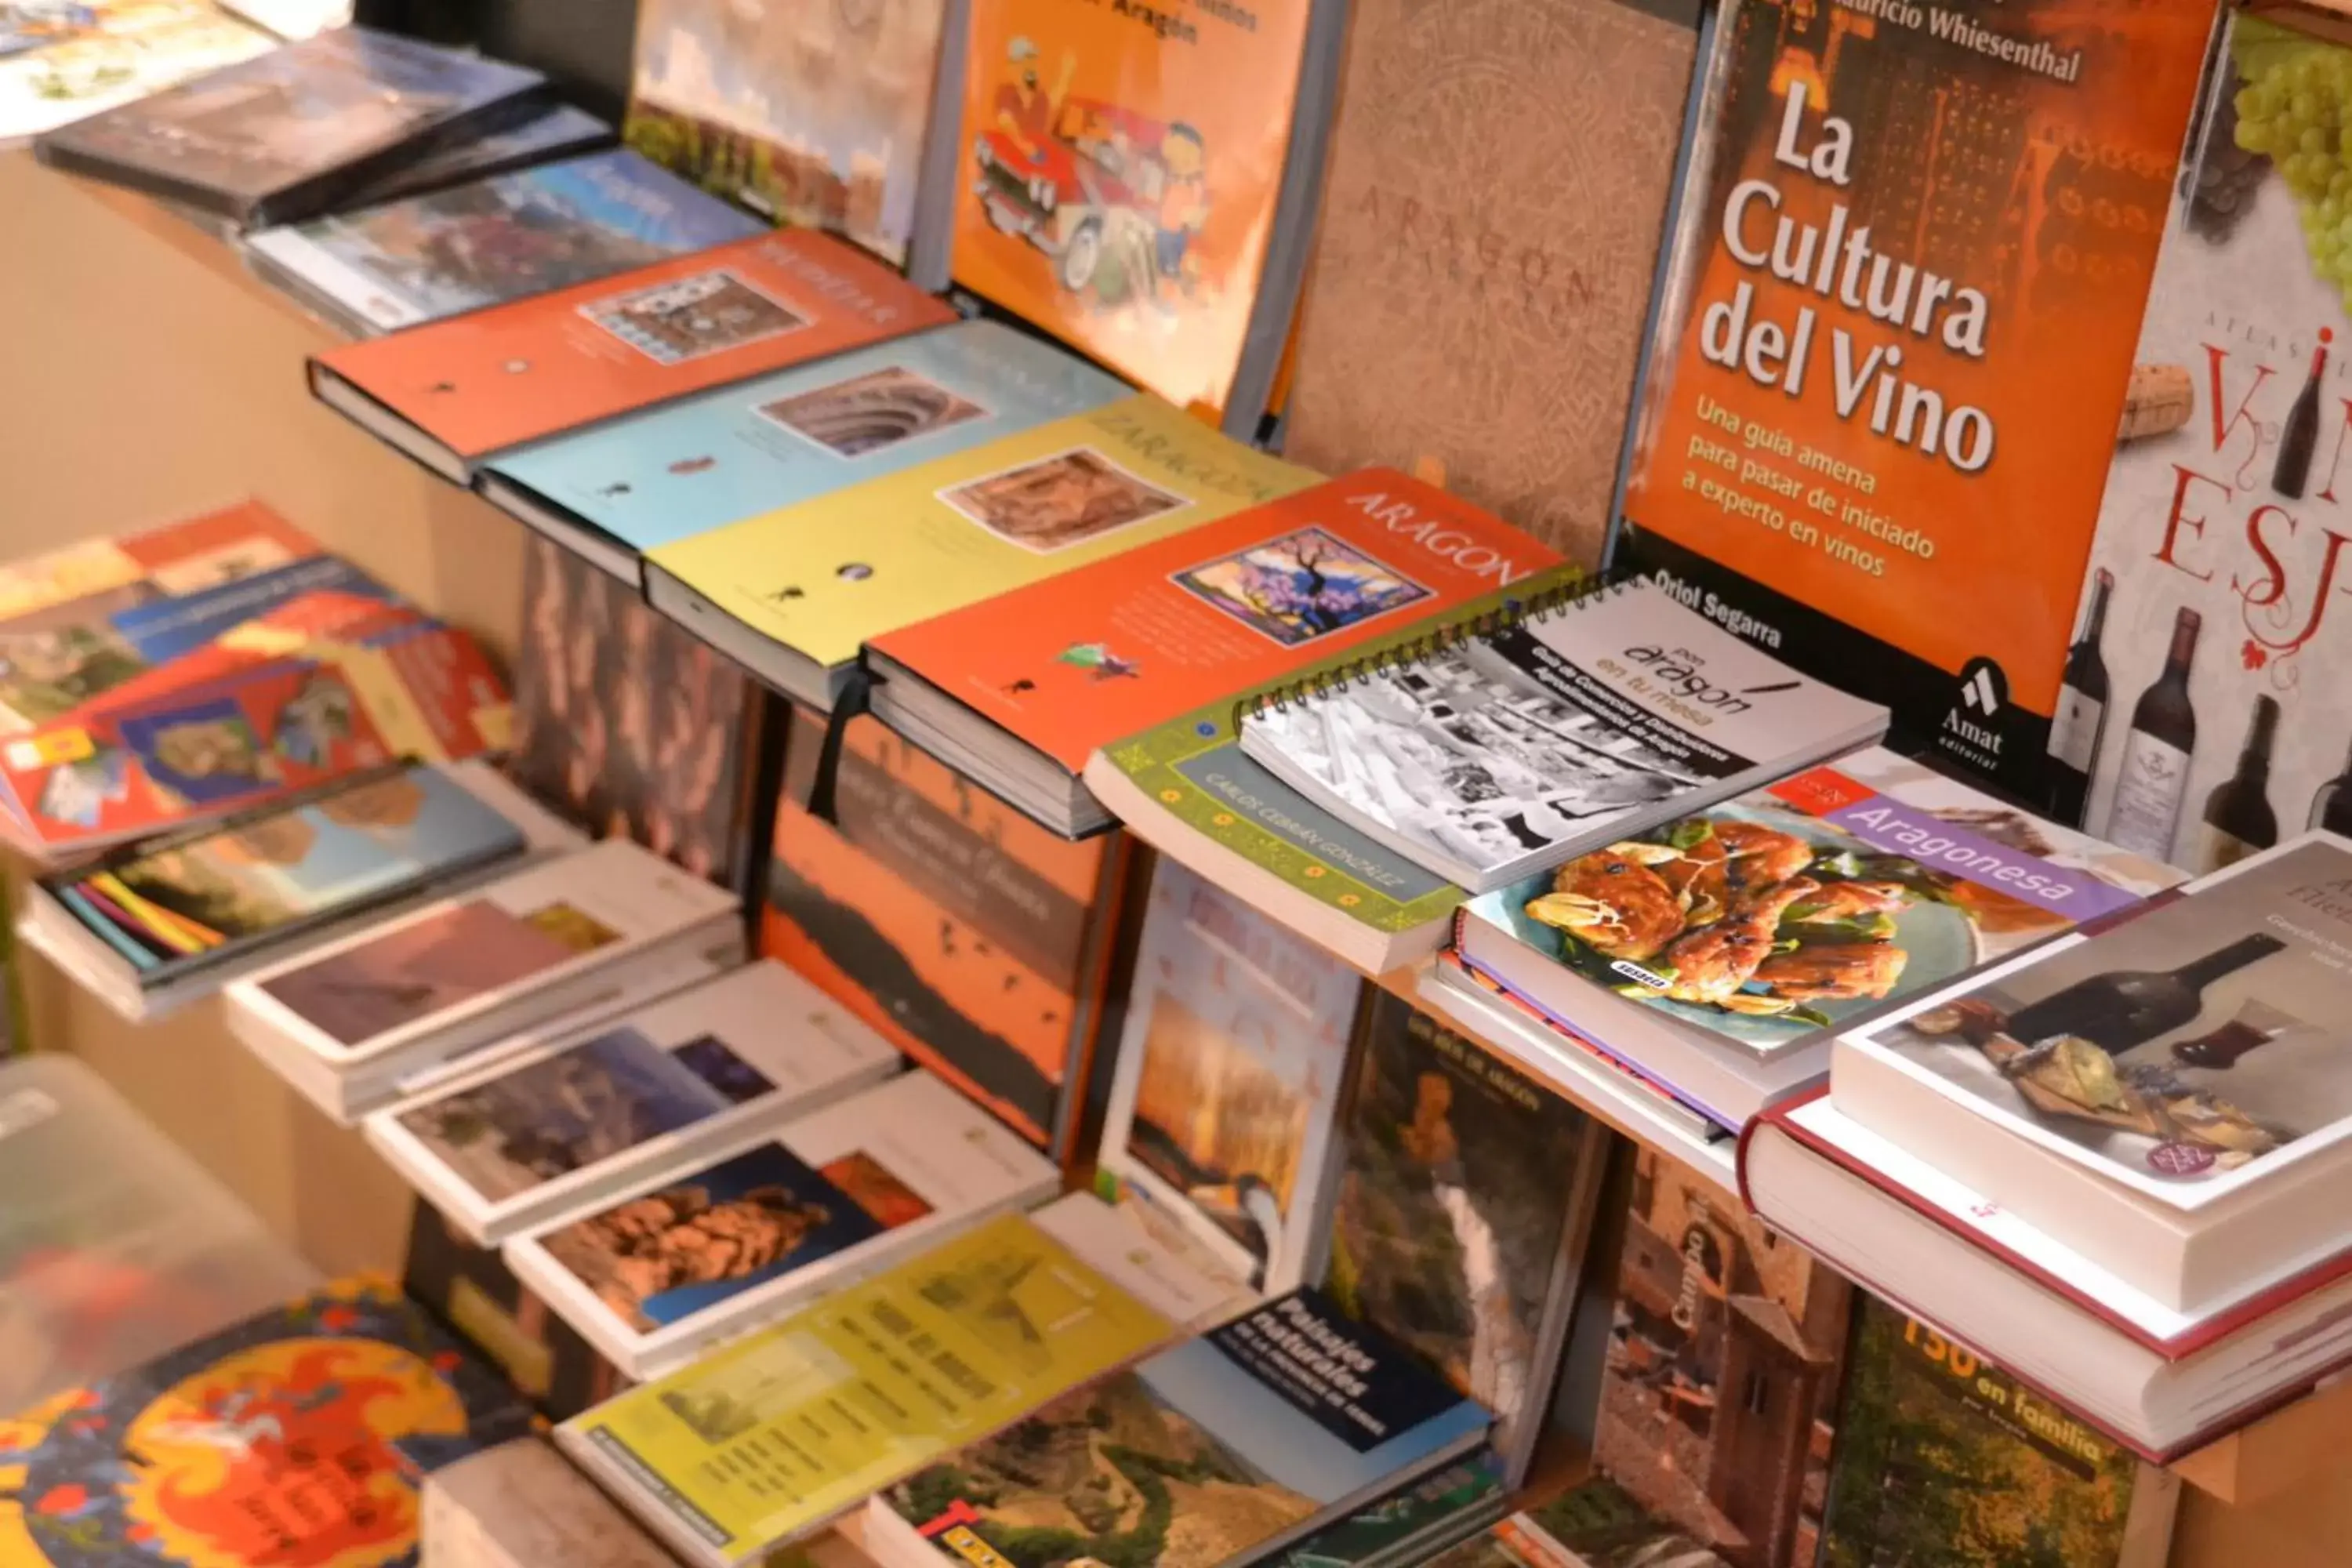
point(814, 115)
point(271, 1441)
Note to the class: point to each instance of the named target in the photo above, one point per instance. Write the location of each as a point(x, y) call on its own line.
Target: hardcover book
point(1028, 684)
point(1467, 1197)
point(281, 137)
point(811, 115)
point(1718, 1401)
point(553, 1131)
point(61, 63)
point(1894, 342)
point(794, 593)
point(473, 1292)
point(1231, 1067)
point(298, 1434)
point(551, 130)
point(504, 237)
point(2196, 723)
point(768, 1439)
point(1865, 879)
point(1944, 1461)
point(631, 728)
point(454, 391)
point(1514, 748)
point(1223, 1449)
point(777, 1219)
point(708, 461)
point(1138, 183)
point(973, 939)
point(1477, 301)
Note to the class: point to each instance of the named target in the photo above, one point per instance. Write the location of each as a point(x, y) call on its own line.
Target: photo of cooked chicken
point(1612, 900)
point(1711, 964)
point(1838, 972)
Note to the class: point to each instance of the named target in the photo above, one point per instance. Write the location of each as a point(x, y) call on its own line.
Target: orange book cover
point(1131, 642)
point(974, 940)
point(1915, 247)
point(174, 560)
point(497, 378)
point(1123, 165)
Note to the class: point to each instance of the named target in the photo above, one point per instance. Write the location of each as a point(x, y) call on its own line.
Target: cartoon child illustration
point(1023, 112)
point(1183, 206)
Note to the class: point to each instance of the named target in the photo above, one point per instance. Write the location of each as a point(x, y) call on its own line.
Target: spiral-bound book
point(1535, 736)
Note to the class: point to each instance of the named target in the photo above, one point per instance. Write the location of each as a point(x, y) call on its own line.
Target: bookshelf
point(148, 376)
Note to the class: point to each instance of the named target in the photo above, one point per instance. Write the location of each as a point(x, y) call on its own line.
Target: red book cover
point(491, 379)
point(98, 576)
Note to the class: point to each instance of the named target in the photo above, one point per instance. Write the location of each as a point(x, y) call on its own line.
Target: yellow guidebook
point(794, 593)
point(770, 1437)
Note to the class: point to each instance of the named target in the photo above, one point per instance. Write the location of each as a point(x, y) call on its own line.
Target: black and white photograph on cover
point(1463, 753)
point(2187, 1052)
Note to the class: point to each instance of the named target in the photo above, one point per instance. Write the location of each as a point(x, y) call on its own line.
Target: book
point(777, 1217)
point(1410, 1525)
point(521, 1504)
point(814, 118)
point(1223, 1449)
point(293, 18)
point(64, 63)
point(1468, 315)
point(281, 137)
point(452, 391)
point(1232, 1061)
point(1595, 1525)
point(301, 1432)
point(523, 951)
point(1467, 1197)
point(1510, 748)
point(632, 729)
point(2162, 1381)
point(2185, 727)
point(871, 1382)
point(1142, 191)
point(548, 132)
point(1718, 1404)
point(973, 939)
point(2159, 1094)
point(704, 462)
point(1861, 515)
point(1021, 688)
point(1945, 1461)
point(263, 729)
point(473, 1293)
point(792, 594)
point(1721, 951)
point(558, 1130)
point(506, 236)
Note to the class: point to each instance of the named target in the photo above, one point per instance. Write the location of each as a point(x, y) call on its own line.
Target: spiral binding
point(1551, 601)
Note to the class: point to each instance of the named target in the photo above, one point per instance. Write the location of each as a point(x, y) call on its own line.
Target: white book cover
point(1159, 1265)
point(1503, 752)
point(485, 963)
point(653, 1279)
point(528, 1143)
point(1230, 1067)
point(522, 1505)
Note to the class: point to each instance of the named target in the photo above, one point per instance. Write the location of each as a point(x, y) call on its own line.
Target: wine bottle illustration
point(2301, 432)
point(2123, 1008)
point(2155, 772)
point(2331, 804)
point(2238, 817)
point(2080, 721)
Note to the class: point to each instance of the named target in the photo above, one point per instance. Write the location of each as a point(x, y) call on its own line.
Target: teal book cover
point(673, 472)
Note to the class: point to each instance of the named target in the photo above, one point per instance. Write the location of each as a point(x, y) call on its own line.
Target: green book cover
point(1194, 769)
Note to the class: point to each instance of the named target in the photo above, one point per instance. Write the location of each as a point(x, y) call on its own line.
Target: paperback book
point(284, 136)
point(1226, 1449)
point(1514, 748)
point(768, 1439)
point(1408, 1526)
point(777, 1219)
point(299, 1434)
point(973, 939)
point(559, 1130)
point(794, 593)
point(452, 391)
point(507, 237)
point(1023, 688)
point(1720, 952)
point(1143, 190)
point(98, 577)
point(1230, 1066)
point(706, 462)
point(549, 131)
point(473, 1293)
point(523, 1505)
point(1595, 1525)
point(1466, 1201)
point(62, 63)
point(632, 729)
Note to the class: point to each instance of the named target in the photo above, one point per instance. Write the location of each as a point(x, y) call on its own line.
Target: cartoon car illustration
point(1098, 177)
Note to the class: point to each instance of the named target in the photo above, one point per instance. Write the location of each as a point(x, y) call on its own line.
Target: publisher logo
point(1983, 688)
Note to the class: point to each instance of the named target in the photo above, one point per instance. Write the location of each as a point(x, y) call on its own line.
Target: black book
point(286, 135)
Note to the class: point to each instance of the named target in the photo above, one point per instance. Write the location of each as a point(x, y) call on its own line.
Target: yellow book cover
point(779, 1432)
point(826, 575)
